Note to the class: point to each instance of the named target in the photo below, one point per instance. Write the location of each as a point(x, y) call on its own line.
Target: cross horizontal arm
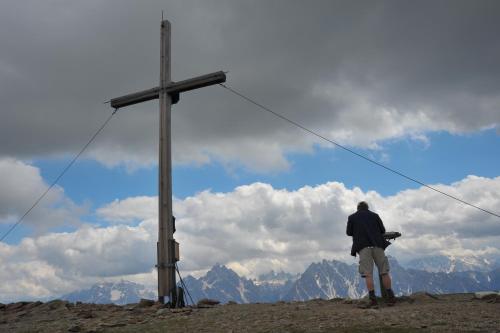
point(196, 82)
point(172, 89)
point(134, 98)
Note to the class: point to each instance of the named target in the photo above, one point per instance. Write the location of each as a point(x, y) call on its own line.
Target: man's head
point(362, 205)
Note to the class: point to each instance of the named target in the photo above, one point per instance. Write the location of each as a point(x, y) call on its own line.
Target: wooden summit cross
point(168, 93)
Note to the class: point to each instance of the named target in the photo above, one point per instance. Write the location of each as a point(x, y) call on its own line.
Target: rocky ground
point(420, 312)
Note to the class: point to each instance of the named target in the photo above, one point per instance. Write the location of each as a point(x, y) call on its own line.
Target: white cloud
point(129, 210)
point(375, 121)
point(252, 229)
point(57, 263)
point(22, 185)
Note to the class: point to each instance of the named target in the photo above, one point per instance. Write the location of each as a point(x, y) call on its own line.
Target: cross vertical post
point(166, 269)
point(168, 92)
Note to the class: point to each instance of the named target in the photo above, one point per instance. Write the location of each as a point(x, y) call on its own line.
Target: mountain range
point(326, 279)
point(123, 292)
point(450, 264)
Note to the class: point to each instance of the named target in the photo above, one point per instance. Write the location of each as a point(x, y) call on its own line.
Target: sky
point(411, 85)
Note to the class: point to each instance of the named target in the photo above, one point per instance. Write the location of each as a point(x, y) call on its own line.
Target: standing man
point(367, 229)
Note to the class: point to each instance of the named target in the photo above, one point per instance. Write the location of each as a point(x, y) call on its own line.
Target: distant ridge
point(326, 279)
point(451, 264)
point(123, 292)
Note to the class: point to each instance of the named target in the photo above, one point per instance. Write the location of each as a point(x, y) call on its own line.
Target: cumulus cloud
point(357, 72)
point(57, 263)
point(252, 229)
point(22, 185)
point(262, 226)
point(129, 210)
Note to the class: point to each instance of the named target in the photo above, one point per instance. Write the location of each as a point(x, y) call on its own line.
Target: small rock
point(86, 314)
point(129, 307)
point(495, 299)
point(21, 313)
point(163, 311)
point(405, 299)
point(32, 305)
point(207, 301)
point(139, 310)
point(110, 325)
point(75, 328)
point(57, 303)
point(183, 311)
point(367, 306)
point(158, 305)
point(485, 294)
point(15, 306)
point(145, 303)
point(423, 296)
point(300, 307)
point(336, 299)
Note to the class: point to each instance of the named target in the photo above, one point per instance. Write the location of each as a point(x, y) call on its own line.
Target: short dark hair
point(362, 205)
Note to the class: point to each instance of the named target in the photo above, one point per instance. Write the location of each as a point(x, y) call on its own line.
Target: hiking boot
point(372, 303)
point(391, 299)
point(372, 299)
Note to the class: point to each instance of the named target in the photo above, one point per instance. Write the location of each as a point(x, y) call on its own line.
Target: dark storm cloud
point(359, 72)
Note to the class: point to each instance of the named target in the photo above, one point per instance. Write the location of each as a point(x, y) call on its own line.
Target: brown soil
point(417, 313)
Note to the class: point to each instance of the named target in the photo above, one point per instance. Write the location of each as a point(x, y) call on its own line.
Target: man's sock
point(390, 293)
point(371, 294)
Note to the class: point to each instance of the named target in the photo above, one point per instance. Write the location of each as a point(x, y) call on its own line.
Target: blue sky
point(446, 159)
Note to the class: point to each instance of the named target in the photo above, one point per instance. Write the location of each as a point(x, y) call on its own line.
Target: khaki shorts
point(367, 256)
